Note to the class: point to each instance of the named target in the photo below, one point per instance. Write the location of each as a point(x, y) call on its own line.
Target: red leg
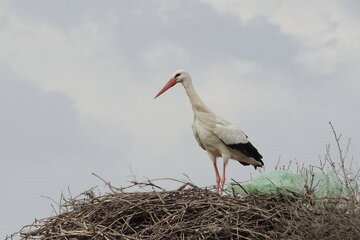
point(223, 178)
point(217, 176)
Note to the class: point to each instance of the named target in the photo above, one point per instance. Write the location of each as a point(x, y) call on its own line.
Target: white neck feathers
point(196, 103)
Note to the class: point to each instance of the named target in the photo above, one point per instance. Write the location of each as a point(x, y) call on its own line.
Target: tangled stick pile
point(191, 212)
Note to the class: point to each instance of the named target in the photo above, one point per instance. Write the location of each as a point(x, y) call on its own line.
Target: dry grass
point(191, 212)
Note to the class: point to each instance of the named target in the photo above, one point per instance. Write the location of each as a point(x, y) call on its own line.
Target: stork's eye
point(178, 74)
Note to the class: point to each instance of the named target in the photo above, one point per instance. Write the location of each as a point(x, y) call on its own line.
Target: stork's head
point(179, 76)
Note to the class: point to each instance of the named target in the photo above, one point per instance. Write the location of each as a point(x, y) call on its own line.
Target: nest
point(191, 212)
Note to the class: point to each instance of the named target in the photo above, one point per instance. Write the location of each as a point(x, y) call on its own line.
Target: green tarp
point(268, 183)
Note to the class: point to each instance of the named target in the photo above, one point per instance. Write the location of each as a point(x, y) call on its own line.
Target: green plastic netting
point(267, 183)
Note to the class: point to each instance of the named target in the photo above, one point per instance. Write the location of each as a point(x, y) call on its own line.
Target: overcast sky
point(77, 81)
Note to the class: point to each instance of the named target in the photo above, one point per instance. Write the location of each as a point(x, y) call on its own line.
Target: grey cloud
point(43, 149)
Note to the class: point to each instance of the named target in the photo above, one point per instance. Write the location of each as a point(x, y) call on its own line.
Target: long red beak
point(168, 85)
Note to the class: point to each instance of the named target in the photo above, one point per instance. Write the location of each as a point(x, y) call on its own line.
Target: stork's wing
point(236, 139)
point(230, 134)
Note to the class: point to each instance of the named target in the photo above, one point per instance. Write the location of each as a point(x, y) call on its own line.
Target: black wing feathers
point(248, 149)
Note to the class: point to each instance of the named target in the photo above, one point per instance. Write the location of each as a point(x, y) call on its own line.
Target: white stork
point(215, 135)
